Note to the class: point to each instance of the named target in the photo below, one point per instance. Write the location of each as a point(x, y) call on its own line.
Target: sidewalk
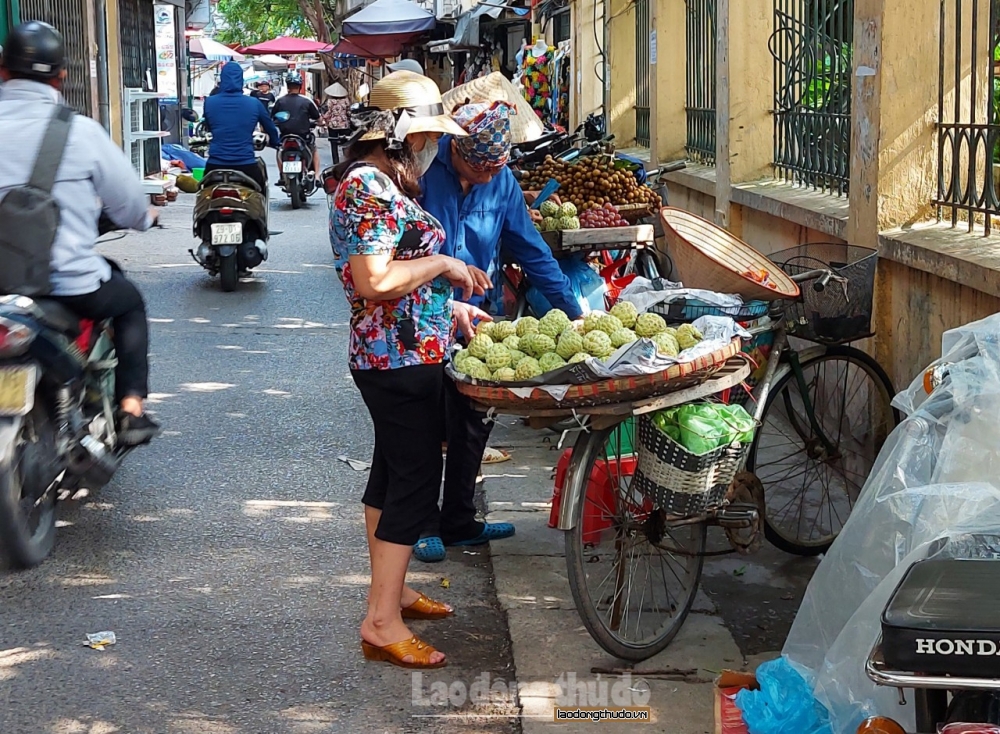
point(548, 637)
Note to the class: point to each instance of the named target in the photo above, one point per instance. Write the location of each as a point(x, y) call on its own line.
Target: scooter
point(230, 219)
point(295, 159)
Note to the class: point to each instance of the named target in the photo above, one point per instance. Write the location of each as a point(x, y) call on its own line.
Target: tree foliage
point(247, 22)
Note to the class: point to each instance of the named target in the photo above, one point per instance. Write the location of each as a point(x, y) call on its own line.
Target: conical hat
point(524, 126)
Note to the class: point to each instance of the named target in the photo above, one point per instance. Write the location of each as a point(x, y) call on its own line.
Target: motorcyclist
point(302, 116)
point(232, 117)
point(264, 94)
point(94, 176)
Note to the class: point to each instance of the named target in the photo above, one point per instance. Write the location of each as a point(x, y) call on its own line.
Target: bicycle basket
point(841, 312)
point(691, 309)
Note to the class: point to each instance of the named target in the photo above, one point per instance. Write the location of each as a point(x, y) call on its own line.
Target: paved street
point(229, 557)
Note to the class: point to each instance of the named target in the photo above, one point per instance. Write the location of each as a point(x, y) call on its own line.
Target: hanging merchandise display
point(545, 78)
point(562, 78)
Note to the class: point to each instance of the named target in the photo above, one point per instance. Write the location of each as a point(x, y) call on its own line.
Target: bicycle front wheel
point(633, 570)
point(813, 478)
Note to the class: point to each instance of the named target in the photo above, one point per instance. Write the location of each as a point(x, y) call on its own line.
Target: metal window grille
point(70, 17)
point(812, 47)
point(138, 44)
point(642, 72)
point(969, 112)
point(700, 107)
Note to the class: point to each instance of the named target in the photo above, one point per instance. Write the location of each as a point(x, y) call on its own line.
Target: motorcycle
point(201, 139)
point(295, 157)
point(230, 219)
point(57, 418)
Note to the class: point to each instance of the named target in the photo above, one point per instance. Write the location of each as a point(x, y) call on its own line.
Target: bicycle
point(612, 528)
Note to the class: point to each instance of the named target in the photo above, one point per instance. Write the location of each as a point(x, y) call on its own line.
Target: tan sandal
point(394, 653)
point(495, 456)
point(426, 608)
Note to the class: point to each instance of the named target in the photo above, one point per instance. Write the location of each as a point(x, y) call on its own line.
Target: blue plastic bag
point(173, 152)
point(588, 286)
point(784, 703)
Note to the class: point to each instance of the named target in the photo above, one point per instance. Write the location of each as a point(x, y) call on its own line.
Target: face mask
point(425, 157)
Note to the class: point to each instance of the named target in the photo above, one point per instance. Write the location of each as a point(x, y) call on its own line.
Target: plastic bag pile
point(933, 492)
point(704, 427)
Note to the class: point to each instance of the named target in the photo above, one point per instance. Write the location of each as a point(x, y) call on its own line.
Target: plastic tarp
point(389, 16)
point(934, 492)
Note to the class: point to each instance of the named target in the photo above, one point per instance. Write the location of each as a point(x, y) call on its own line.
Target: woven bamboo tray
point(605, 392)
point(707, 256)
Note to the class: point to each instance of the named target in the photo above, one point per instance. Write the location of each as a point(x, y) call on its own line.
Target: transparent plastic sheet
point(934, 492)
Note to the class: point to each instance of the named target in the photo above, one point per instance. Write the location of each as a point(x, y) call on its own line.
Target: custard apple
point(609, 324)
point(551, 361)
point(591, 320)
point(565, 223)
point(527, 368)
point(569, 344)
point(512, 342)
point(481, 372)
point(622, 337)
point(502, 330)
point(516, 355)
point(626, 313)
point(579, 357)
point(550, 224)
point(480, 346)
point(460, 356)
point(538, 344)
point(568, 209)
point(686, 340)
point(649, 324)
point(549, 208)
point(666, 344)
point(598, 344)
point(526, 325)
point(498, 357)
point(485, 328)
point(468, 364)
point(505, 374)
point(554, 323)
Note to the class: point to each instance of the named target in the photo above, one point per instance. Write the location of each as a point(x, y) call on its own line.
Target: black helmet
point(294, 80)
point(35, 50)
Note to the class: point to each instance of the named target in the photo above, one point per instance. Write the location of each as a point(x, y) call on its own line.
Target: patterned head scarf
point(488, 146)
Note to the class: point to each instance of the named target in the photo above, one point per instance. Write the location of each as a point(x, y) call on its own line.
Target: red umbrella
point(287, 46)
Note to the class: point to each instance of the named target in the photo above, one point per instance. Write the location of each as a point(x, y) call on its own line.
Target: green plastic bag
point(704, 427)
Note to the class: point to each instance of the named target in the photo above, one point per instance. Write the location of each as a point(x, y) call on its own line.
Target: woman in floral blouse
point(399, 288)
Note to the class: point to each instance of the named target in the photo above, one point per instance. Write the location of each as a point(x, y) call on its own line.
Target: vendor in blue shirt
point(477, 200)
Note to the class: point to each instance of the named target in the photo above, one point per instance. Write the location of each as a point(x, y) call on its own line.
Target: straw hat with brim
point(417, 96)
point(524, 126)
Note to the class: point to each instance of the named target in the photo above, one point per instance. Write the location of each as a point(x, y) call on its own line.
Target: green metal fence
point(812, 47)
point(642, 80)
point(700, 105)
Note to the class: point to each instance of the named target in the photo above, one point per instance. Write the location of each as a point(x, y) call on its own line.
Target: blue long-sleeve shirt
point(477, 222)
point(232, 117)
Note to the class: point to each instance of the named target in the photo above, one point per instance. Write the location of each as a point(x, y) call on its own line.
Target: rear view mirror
point(282, 117)
point(190, 115)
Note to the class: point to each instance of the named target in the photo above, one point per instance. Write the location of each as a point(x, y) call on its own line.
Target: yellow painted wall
point(587, 94)
point(621, 56)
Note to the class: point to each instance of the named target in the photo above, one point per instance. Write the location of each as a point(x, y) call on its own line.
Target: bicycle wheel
point(633, 571)
point(809, 489)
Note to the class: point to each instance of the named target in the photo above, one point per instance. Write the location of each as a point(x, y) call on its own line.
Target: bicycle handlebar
point(821, 278)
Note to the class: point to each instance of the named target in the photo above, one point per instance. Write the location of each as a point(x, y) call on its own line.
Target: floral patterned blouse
point(370, 216)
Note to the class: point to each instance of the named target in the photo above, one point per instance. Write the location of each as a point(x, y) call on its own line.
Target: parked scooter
point(57, 418)
point(230, 219)
point(295, 159)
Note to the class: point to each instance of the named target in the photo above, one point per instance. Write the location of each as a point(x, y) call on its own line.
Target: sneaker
point(136, 430)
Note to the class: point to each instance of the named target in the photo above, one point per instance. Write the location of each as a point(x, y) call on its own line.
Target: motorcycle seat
point(56, 316)
point(942, 619)
point(223, 176)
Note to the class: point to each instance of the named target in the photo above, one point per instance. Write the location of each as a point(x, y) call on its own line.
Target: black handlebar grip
point(819, 285)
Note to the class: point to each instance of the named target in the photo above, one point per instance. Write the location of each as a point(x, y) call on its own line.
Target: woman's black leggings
point(405, 478)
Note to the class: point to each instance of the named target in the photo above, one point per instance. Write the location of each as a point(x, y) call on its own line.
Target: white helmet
point(407, 65)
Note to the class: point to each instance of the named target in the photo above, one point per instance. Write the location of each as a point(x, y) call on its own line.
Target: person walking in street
point(232, 117)
point(93, 178)
point(335, 118)
point(399, 286)
point(470, 190)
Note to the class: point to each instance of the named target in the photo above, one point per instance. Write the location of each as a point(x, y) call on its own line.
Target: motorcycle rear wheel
point(27, 509)
point(228, 272)
point(295, 191)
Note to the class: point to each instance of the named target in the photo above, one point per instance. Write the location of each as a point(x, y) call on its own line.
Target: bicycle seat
point(942, 619)
point(56, 316)
point(223, 176)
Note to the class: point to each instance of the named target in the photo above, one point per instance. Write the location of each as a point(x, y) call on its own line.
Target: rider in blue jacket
point(232, 118)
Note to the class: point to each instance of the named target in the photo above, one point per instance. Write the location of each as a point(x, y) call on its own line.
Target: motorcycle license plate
point(292, 167)
point(17, 390)
point(227, 234)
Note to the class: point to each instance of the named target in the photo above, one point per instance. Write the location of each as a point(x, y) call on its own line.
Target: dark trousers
point(405, 478)
point(256, 171)
point(467, 435)
point(119, 300)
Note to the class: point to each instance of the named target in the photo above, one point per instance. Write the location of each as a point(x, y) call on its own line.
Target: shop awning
point(287, 46)
point(206, 48)
point(270, 62)
point(467, 27)
point(389, 17)
point(382, 46)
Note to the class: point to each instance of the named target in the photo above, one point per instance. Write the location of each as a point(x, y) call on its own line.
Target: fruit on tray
point(666, 344)
point(512, 342)
point(623, 336)
point(480, 345)
point(485, 328)
point(625, 312)
point(568, 209)
point(609, 324)
point(526, 325)
point(688, 336)
point(602, 217)
point(578, 357)
point(648, 325)
point(570, 344)
point(538, 344)
point(527, 368)
point(554, 323)
point(505, 374)
point(516, 355)
point(550, 361)
point(598, 344)
point(549, 209)
point(501, 331)
point(557, 224)
point(590, 183)
point(498, 357)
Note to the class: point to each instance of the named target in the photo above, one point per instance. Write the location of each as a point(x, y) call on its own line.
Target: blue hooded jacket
point(232, 118)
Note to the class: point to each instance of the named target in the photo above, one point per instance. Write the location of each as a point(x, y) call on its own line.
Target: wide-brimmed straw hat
point(416, 100)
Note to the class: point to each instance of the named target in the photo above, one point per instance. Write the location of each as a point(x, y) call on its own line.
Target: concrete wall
point(621, 59)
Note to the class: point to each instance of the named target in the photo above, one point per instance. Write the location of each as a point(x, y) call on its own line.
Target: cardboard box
point(728, 719)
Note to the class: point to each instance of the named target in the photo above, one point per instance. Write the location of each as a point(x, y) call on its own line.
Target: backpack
point(30, 217)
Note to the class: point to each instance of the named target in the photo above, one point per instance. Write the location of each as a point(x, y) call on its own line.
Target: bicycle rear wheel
point(633, 571)
point(809, 489)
